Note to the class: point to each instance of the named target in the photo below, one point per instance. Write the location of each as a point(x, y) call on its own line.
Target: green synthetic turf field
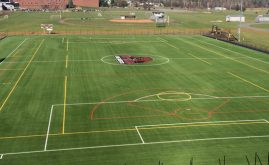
point(66, 100)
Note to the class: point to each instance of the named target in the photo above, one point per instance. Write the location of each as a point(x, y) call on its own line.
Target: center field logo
point(127, 59)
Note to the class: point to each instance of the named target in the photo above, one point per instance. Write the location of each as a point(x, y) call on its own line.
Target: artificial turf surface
point(66, 100)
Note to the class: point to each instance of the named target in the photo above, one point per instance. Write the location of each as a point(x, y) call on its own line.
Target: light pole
point(241, 14)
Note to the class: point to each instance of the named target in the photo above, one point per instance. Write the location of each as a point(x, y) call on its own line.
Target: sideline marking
point(256, 59)
point(199, 59)
point(220, 54)
point(248, 82)
point(48, 130)
point(142, 140)
point(15, 85)
point(136, 144)
point(65, 92)
point(16, 48)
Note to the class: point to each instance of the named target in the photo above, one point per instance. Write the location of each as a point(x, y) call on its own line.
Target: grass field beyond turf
point(66, 100)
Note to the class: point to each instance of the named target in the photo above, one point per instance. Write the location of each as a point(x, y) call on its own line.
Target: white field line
point(130, 101)
point(16, 48)
point(67, 45)
point(1, 156)
point(136, 144)
point(55, 61)
point(266, 121)
point(208, 122)
point(141, 138)
point(63, 40)
point(235, 52)
point(48, 130)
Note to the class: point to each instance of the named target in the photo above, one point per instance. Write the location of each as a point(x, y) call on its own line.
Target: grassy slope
point(92, 81)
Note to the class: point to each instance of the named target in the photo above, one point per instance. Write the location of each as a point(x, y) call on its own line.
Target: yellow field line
point(10, 69)
point(199, 58)
point(133, 129)
point(65, 93)
point(15, 85)
point(199, 125)
point(248, 82)
point(227, 57)
point(66, 61)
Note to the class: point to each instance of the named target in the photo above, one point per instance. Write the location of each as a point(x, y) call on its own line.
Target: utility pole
point(241, 14)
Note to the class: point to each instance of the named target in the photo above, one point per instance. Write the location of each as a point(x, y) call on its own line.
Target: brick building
point(55, 4)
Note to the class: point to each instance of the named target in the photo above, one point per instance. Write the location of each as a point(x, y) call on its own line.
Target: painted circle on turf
point(109, 60)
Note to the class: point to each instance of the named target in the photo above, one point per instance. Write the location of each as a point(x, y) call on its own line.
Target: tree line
point(229, 4)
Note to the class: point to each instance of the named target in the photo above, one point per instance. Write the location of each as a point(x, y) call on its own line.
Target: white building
point(262, 18)
point(220, 9)
point(235, 18)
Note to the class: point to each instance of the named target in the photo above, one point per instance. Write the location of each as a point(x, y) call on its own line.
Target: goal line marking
point(135, 144)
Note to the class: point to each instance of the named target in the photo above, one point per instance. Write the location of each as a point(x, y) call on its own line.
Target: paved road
point(248, 26)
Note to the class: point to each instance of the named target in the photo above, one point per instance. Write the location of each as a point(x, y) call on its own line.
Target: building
point(86, 3)
point(235, 18)
point(262, 18)
point(55, 4)
point(219, 8)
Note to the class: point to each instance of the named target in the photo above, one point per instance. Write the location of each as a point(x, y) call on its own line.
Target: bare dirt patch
point(132, 21)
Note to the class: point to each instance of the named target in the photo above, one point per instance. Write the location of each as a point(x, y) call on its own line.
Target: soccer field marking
point(249, 82)
point(16, 48)
point(48, 130)
point(201, 125)
point(234, 52)
point(154, 100)
point(134, 144)
point(1, 156)
point(220, 54)
point(166, 60)
point(10, 69)
point(15, 85)
point(166, 42)
point(64, 110)
point(199, 59)
point(66, 62)
point(67, 45)
point(266, 121)
point(206, 122)
point(140, 136)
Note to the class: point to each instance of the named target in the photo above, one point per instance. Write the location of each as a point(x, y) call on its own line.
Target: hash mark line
point(64, 113)
point(16, 48)
point(136, 144)
point(248, 82)
point(66, 61)
point(1, 156)
point(256, 59)
point(143, 142)
point(220, 54)
point(199, 59)
point(48, 130)
point(15, 85)
point(67, 45)
point(207, 122)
